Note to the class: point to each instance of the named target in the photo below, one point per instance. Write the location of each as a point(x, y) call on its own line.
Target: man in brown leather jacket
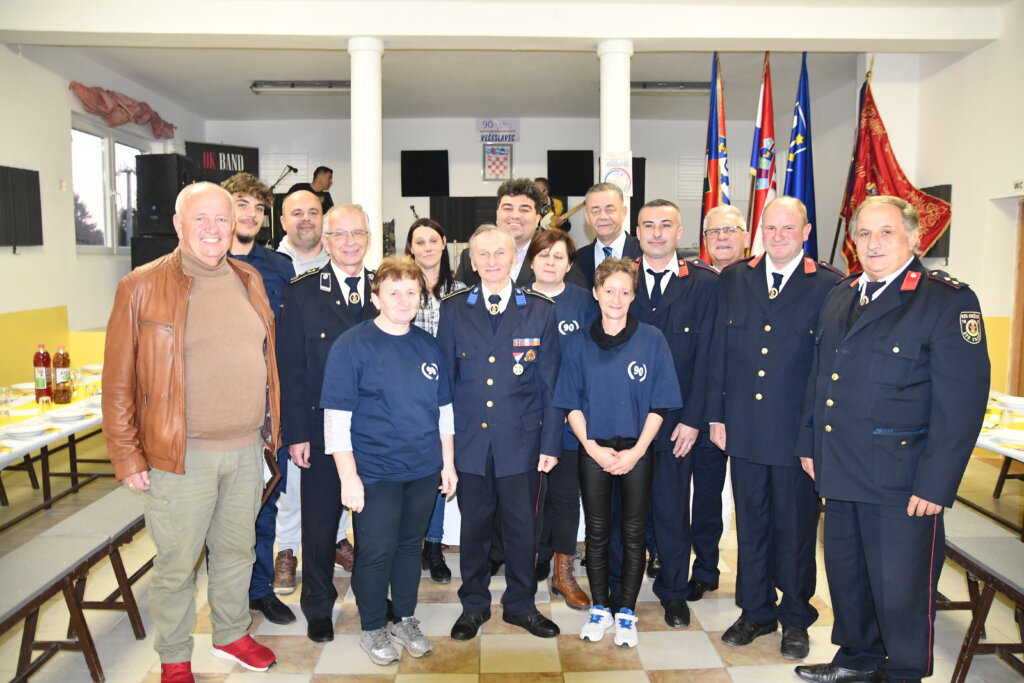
point(188, 332)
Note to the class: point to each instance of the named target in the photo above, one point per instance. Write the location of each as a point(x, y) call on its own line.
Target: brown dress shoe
point(284, 572)
point(564, 583)
point(345, 555)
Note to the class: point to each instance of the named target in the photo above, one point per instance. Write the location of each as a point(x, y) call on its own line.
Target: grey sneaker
point(406, 633)
point(376, 644)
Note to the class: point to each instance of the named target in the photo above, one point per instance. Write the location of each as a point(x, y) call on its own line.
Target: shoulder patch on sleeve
point(736, 263)
point(304, 275)
point(700, 264)
point(538, 294)
point(449, 295)
point(849, 279)
point(830, 268)
point(946, 279)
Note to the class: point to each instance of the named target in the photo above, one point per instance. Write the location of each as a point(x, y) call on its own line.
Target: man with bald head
point(761, 355)
point(185, 329)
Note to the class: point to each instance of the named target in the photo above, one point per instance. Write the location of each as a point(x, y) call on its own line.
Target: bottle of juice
point(43, 372)
point(62, 389)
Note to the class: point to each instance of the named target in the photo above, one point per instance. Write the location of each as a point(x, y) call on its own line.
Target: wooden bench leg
point(963, 662)
point(127, 596)
point(73, 462)
point(974, 592)
point(31, 469)
point(1001, 479)
point(80, 592)
point(44, 466)
point(3, 494)
point(81, 630)
point(28, 637)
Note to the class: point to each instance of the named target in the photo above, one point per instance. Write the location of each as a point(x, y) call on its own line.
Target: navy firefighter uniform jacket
point(502, 381)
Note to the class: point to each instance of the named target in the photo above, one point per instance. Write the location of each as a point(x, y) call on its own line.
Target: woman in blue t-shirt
point(551, 255)
point(616, 382)
point(388, 423)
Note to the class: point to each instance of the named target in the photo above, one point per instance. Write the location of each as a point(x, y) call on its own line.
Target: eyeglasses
point(343, 234)
point(725, 229)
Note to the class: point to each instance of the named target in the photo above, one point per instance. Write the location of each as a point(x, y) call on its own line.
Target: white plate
point(1015, 403)
point(67, 416)
point(1010, 437)
point(94, 369)
point(23, 387)
point(26, 431)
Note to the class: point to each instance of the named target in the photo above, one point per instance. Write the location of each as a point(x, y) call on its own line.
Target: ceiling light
point(301, 87)
point(670, 87)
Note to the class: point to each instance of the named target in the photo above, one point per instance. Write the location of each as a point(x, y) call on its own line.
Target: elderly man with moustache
point(184, 330)
point(894, 405)
point(761, 358)
point(519, 203)
point(319, 306)
point(502, 347)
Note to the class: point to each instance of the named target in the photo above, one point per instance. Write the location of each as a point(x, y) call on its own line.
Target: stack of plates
point(1005, 401)
point(68, 415)
point(23, 387)
point(27, 431)
point(1007, 437)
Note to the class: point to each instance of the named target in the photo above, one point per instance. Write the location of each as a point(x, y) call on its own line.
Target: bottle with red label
point(43, 373)
point(62, 389)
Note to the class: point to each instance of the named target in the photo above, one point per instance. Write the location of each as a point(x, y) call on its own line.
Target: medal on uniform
point(773, 292)
point(493, 309)
point(517, 369)
point(864, 301)
point(353, 298)
point(530, 356)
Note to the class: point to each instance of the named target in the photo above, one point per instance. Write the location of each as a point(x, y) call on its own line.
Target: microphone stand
point(273, 229)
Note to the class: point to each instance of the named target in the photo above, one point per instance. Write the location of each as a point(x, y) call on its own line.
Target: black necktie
point(776, 285)
point(494, 312)
point(860, 304)
point(656, 289)
point(355, 301)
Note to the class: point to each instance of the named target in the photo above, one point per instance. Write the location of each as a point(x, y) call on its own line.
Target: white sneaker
point(625, 629)
point(599, 622)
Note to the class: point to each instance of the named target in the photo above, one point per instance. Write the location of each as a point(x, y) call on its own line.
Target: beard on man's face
point(245, 239)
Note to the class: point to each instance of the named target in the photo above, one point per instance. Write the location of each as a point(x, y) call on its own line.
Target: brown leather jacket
point(144, 366)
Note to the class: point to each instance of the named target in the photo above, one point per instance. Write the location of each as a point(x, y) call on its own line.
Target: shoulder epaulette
point(850, 279)
point(736, 263)
point(537, 294)
point(449, 295)
point(304, 275)
point(753, 261)
point(829, 267)
point(946, 279)
point(706, 266)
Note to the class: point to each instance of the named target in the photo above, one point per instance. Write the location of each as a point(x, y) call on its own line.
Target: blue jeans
point(262, 582)
point(435, 532)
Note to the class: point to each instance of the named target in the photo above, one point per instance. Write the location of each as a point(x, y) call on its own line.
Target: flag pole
point(853, 161)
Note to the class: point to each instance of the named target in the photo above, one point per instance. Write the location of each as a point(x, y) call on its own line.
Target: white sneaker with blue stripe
point(599, 622)
point(625, 628)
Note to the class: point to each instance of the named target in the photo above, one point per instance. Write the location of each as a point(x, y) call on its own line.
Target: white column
point(614, 56)
point(367, 137)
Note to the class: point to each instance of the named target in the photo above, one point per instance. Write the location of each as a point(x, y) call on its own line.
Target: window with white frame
point(104, 184)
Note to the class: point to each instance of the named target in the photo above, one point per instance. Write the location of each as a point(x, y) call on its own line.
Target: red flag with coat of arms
point(875, 171)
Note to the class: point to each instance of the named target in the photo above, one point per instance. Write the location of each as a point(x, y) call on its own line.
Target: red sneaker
point(178, 672)
point(246, 652)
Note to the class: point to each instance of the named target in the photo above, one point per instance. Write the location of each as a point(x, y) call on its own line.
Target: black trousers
point(776, 529)
point(560, 514)
point(670, 501)
point(883, 571)
point(709, 465)
point(596, 491)
point(321, 512)
point(516, 500)
point(389, 535)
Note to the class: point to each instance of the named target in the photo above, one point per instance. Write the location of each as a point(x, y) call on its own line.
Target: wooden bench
point(993, 559)
point(58, 561)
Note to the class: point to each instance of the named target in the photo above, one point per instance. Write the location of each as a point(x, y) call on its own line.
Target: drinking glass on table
point(45, 403)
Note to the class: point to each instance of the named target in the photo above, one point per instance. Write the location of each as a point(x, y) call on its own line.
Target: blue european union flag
point(800, 162)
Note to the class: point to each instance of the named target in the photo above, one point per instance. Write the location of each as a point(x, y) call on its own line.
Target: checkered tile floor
point(501, 652)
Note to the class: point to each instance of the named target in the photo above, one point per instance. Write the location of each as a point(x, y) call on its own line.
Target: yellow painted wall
point(998, 329)
point(22, 332)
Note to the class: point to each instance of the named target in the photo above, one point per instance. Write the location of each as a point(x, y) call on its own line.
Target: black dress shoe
point(468, 624)
point(433, 559)
point(543, 570)
point(698, 589)
point(677, 614)
point(273, 609)
point(320, 630)
point(535, 622)
point(653, 565)
point(744, 631)
point(795, 643)
point(830, 673)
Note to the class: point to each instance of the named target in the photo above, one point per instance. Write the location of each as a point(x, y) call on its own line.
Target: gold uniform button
point(484, 425)
point(895, 349)
point(828, 428)
point(835, 376)
point(758, 396)
point(767, 328)
point(764, 350)
point(490, 382)
point(322, 335)
point(686, 329)
point(903, 443)
point(760, 373)
point(491, 359)
point(490, 404)
point(830, 403)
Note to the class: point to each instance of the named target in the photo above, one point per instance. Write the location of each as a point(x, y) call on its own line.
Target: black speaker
point(146, 248)
point(160, 178)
